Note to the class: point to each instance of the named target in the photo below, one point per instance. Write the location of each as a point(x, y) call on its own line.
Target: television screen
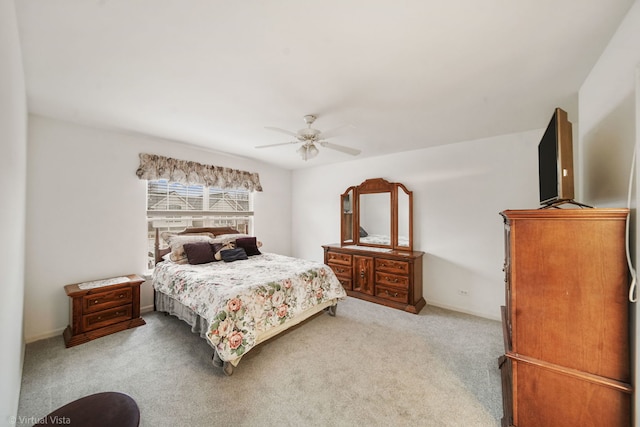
point(547, 155)
point(555, 160)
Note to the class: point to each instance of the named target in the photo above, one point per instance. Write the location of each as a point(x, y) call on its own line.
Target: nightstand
point(102, 307)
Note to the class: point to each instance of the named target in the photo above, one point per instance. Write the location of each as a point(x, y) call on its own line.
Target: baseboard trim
point(56, 332)
point(146, 309)
point(460, 310)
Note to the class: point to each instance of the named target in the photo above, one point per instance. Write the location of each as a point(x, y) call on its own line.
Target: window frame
point(179, 219)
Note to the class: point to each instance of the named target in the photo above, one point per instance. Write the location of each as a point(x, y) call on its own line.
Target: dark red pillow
point(249, 244)
point(199, 252)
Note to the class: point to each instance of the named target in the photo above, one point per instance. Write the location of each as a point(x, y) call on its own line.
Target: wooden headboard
point(216, 231)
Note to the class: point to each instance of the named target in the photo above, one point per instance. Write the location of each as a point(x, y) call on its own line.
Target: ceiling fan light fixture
point(307, 151)
point(312, 151)
point(309, 137)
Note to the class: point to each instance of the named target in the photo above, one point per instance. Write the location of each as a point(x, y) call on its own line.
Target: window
point(173, 207)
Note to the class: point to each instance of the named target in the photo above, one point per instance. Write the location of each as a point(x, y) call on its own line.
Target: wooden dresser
point(384, 276)
point(104, 310)
point(566, 319)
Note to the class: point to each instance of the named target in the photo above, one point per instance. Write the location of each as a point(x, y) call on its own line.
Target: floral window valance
point(189, 173)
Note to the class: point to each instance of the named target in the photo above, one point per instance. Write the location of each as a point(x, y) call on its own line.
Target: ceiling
point(404, 75)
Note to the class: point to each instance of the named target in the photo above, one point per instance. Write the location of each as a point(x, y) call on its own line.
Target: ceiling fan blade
point(275, 145)
point(348, 150)
point(335, 131)
point(288, 132)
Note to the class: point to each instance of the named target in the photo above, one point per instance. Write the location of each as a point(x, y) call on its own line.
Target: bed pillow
point(219, 247)
point(216, 248)
point(177, 243)
point(168, 235)
point(249, 244)
point(228, 238)
point(230, 255)
point(199, 253)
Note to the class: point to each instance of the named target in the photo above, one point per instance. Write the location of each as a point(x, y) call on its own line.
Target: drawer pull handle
point(395, 294)
point(389, 279)
point(121, 295)
point(96, 301)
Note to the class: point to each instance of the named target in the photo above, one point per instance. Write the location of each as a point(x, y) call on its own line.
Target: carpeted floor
point(369, 365)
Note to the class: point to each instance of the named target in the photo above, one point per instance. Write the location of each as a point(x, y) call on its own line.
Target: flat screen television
point(555, 160)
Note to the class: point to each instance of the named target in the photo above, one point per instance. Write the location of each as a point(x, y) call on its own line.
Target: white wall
point(607, 117)
point(609, 103)
point(458, 192)
point(86, 212)
point(13, 119)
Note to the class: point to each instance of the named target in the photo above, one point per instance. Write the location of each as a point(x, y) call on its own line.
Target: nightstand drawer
point(103, 300)
point(106, 317)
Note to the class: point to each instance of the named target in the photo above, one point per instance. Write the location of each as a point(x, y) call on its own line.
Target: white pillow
point(228, 238)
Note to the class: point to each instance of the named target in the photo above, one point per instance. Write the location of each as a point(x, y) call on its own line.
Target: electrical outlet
point(463, 292)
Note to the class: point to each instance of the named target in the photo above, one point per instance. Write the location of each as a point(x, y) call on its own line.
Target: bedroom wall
point(13, 141)
point(458, 192)
point(86, 212)
point(609, 133)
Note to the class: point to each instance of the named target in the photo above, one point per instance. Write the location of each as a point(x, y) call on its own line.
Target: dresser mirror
point(377, 213)
point(375, 225)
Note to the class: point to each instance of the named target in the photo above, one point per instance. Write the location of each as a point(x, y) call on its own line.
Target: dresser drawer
point(103, 300)
point(341, 271)
point(392, 280)
point(107, 317)
point(392, 266)
point(338, 258)
point(392, 294)
point(346, 283)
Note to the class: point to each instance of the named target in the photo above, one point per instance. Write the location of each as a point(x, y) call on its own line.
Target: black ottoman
point(107, 409)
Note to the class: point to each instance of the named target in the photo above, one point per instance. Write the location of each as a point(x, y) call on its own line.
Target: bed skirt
point(200, 325)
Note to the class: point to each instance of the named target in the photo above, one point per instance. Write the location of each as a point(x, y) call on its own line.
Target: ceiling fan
point(309, 137)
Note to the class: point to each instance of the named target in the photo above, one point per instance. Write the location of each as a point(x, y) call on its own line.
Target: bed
point(236, 301)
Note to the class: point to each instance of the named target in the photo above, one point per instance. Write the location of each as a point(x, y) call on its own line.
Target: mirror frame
point(347, 214)
point(350, 221)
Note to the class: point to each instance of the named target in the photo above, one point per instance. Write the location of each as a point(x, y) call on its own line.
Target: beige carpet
point(369, 365)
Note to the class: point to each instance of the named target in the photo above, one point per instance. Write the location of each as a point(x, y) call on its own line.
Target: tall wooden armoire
point(566, 319)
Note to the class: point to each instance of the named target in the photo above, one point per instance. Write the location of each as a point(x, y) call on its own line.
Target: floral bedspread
point(242, 298)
